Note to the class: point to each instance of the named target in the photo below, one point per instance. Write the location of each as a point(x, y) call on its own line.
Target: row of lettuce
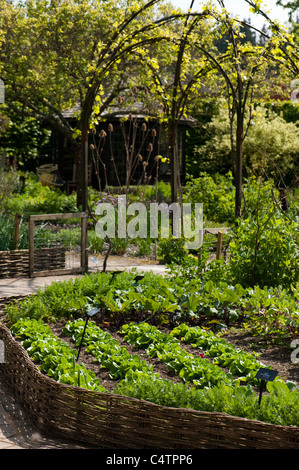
point(270, 313)
point(201, 383)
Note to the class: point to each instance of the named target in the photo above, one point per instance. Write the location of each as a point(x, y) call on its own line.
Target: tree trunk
point(84, 126)
point(239, 164)
point(77, 178)
point(84, 168)
point(174, 159)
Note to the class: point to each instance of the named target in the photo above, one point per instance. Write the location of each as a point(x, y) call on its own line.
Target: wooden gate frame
point(84, 255)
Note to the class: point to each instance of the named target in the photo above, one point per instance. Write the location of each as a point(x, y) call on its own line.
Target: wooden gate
point(52, 256)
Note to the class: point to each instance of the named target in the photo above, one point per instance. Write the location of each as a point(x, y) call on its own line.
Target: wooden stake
point(219, 245)
point(17, 231)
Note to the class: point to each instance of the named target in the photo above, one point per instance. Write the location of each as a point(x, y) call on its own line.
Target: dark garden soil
point(277, 356)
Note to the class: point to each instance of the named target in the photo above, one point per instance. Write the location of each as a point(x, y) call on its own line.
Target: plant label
point(93, 312)
point(266, 374)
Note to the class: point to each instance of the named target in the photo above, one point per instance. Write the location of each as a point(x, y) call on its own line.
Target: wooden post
point(17, 231)
point(31, 246)
point(84, 241)
point(219, 245)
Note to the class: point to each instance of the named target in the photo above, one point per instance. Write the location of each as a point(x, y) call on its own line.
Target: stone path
point(16, 429)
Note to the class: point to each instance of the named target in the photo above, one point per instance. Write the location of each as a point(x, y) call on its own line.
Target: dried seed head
point(94, 131)
point(154, 132)
point(110, 127)
point(140, 157)
point(150, 147)
point(143, 127)
point(92, 147)
point(103, 134)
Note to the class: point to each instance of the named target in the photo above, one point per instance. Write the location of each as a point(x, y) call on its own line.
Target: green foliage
point(202, 109)
point(39, 199)
point(237, 361)
point(196, 370)
point(44, 237)
point(216, 193)
point(95, 243)
point(289, 110)
point(189, 267)
point(212, 390)
point(9, 184)
point(119, 245)
point(155, 389)
point(7, 242)
point(105, 349)
point(280, 407)
point(24, 137)
point(270, 147)
point(271, 313)
point(55, 357)
point(158, 192)
point(171, 250)
point(144, 246)
point(254, 255)
point(117, 296)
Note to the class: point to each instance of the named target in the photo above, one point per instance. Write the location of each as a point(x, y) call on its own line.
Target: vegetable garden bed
point(153, 370)
point(110, 420)
point(114, 421)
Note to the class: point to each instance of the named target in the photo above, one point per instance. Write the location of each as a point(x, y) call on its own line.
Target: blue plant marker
point(265, 375)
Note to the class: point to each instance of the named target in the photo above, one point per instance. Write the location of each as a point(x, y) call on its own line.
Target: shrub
point(9, 183)
point(264, 250)
point(271, 144)
point(171, 250)
point(216, 193)
point(39, 199)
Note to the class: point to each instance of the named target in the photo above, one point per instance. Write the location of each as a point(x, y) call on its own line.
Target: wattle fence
point(112, 421)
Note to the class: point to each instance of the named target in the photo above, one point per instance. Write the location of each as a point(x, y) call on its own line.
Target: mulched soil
point(270, 355)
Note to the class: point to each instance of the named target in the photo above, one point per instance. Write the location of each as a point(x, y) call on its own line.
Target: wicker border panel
point(112, 421)
point(15, 263)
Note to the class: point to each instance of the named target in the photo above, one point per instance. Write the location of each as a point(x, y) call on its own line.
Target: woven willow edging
point(15, 263)
point(112, 421)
